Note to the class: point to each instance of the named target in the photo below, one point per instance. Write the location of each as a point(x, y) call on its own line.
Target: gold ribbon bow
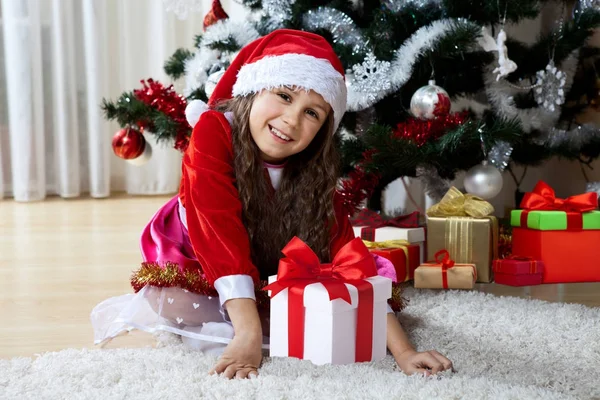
point(387, 244)
point(456, 204)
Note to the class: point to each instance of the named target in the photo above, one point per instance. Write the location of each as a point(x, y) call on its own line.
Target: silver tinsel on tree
point(435, 186)
point(583, 5)
point(397, 5)
point(499, 155)
point(340, 25)
point(593, 187)
point(278, 10)
point(573, 139)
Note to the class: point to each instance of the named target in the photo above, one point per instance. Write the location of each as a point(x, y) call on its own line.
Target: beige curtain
point(58, 59)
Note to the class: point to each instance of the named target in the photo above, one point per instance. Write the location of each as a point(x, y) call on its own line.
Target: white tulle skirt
point(200, 320)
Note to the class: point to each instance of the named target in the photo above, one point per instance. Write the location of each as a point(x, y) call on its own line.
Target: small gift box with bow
point(518, 271)
point(445, 274)
point(463, 225)
point(332, 313)
point(405, 256)
point(371, 226)
point(563, 233)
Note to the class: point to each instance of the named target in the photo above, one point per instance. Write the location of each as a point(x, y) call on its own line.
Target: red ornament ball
point(128, 143)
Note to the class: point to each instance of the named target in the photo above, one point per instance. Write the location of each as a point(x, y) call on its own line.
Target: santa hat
point(285, 57)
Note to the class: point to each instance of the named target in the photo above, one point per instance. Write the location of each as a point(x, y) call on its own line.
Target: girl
point(261, 167)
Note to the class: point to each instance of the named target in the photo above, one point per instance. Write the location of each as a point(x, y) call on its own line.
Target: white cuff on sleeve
point(390, 309)
point(235, 287)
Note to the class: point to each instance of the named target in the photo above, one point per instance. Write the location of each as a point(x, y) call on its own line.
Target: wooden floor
point(59, 258)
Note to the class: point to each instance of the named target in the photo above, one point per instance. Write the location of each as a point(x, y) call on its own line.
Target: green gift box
point(553, 220)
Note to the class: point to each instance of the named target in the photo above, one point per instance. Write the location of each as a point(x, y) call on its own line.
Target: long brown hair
point(303, 204)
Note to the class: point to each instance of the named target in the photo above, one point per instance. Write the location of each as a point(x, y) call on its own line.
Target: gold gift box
point(468, 240)
point(430, 276)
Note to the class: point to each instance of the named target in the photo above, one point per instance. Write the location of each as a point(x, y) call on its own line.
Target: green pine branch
point(392, 29)
point(486, 12)
point(531, 59)
point(198, 94)
point(129, 111)
point(351, 152)
point(197, 41)
point(458, 149)
point(227, 45)
point(175, 65)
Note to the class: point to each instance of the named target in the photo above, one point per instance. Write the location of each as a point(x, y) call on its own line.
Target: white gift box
point(330, 326)
point(412, 235)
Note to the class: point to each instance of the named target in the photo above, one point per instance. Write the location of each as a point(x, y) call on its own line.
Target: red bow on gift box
point(371, 220)
point(543, 198)
point(301, 267)
point(442, 257)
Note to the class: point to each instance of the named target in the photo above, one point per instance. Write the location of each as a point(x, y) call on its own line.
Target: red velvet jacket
point(213, 207)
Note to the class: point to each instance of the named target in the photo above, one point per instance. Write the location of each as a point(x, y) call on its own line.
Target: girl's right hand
point(241, 357)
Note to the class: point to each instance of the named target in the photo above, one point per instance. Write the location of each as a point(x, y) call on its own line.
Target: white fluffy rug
point(502, 348)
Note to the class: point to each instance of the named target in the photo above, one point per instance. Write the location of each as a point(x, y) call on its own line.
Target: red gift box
point(518, 271)
point(568, 256)
point(405, 259)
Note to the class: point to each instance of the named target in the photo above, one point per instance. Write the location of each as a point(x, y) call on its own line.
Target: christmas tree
point(407, 62)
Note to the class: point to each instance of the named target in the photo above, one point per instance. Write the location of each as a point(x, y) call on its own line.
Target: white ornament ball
point(483, 181)
point(211, 82)
point(430, 101)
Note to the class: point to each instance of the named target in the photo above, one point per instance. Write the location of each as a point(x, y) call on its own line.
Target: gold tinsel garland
point(170, 275)
point(397, 302)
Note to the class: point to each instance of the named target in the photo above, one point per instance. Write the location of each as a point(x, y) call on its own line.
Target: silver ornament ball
point(211, 82)
point(429, 102)
point(483, 181)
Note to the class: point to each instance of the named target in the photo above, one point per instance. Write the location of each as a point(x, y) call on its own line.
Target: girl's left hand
point(427, 362)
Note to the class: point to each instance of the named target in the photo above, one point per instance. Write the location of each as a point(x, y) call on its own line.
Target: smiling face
point(284, 121)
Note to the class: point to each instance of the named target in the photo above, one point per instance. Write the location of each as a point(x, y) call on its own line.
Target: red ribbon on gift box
point(443, 260)
point(371, 220)
point(543, 198)
point(442, 257)
point(301, 267)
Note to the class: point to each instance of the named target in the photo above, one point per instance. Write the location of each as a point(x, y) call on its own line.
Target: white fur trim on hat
point(300, 70)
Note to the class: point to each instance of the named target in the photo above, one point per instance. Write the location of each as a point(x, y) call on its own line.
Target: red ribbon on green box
point(544, 211)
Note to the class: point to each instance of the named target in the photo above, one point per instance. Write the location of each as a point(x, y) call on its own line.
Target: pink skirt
point(167, 287)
